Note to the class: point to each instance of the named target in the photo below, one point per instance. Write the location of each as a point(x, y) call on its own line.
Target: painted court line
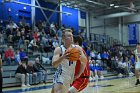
point(48, 86)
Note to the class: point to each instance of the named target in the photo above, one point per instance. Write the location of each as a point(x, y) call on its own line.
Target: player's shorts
point(63, 79)
point(81, 83)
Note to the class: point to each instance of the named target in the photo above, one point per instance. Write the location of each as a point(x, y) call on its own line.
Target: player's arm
point(83, 57)
point(83, 60)
point(135, 56)
point(57, 58)
point(81, 70)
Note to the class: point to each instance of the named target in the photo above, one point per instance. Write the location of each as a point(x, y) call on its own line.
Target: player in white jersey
point(137, 63)
point(65, 69)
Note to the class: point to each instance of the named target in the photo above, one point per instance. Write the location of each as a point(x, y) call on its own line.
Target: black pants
point(0, 81)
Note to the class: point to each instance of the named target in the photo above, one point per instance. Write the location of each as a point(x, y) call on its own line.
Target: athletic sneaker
point(28, 85)
point(131, 74)
point(102, 77)
point(120, 75)
point(138, 82)
point(90, 78)
point(23, 85)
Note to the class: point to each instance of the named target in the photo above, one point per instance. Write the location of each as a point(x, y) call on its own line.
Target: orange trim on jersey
point(81, 87)
point(87, 72)
point(82, 84)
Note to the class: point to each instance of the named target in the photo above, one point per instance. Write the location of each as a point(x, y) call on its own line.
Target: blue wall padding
point(70, 20)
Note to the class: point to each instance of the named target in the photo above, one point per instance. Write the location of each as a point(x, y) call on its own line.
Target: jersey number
point(70, 62)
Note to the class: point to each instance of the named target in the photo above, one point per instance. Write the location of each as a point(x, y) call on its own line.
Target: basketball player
point(80, 83)
point(137, 63)
point(65, 69)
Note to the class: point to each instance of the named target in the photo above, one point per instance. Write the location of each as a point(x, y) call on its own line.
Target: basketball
point(74, 54)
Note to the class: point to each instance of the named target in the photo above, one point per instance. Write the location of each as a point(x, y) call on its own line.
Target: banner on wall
point(132, 34)
point(82, 15)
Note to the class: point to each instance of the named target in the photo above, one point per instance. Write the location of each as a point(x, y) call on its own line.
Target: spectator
point(122, 67)
point(105, 59)
point(41, 71)
point(9, 55)
point(23, 55)
point(59, 35)
point(17, 58)
point(55, 42)
point(52, 30)
point(132, 63)
point(36, 35)
point(93, 55)
point(33, 45)
point(1, 39)
point(22, 74)
point(45, 44)
point(32, 73)
point(44, 24)
point(52, 26)
point(96, 69)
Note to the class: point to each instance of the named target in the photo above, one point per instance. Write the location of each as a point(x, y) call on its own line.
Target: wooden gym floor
point(108, 85)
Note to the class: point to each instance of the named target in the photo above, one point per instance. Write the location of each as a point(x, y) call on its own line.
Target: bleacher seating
point(9, 76)
point(9, 71)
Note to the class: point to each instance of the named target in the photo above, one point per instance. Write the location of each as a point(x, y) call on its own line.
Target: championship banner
point(132, 34)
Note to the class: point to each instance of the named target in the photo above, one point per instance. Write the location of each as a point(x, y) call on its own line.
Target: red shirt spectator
point(9, 53)
point(36, 36)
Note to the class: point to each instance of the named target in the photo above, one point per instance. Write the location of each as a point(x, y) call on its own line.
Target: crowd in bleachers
point(116, 59)
point(19, 39)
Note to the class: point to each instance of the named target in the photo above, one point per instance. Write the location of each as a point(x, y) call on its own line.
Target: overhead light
point(116, 15)
point(97, 3)
point(89, 1)
point(24, 7)
point(7, 0)
point(67, 13)
point(17, 14)
point(9, 9)
point(116, 6)
point(111, 4)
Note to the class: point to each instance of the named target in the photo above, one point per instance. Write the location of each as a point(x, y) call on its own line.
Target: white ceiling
point(102, 7)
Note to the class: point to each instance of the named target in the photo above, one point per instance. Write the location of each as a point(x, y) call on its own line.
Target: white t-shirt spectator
point(55, 44)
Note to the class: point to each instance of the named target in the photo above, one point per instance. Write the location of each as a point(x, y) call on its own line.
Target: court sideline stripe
point(48, 86)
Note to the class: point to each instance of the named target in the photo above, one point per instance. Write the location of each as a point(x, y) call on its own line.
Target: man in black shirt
point(22, 74)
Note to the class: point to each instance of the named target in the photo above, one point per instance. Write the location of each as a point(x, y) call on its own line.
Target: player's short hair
point(66, 30)
point(138, 43)
point(79, 39)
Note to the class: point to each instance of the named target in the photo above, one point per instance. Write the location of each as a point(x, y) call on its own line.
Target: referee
point(1, 75)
